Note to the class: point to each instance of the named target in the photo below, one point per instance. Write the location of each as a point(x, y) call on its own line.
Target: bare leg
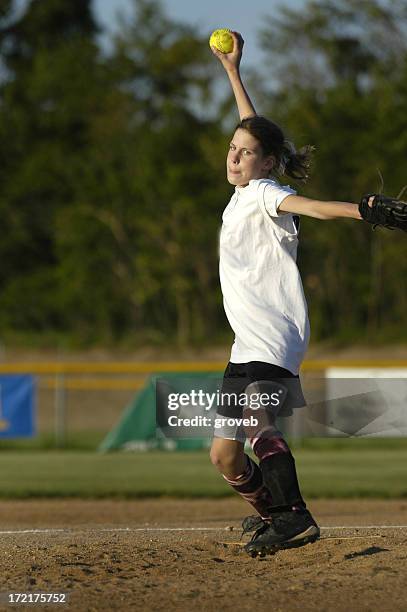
point(241, 473)
point(228, 457)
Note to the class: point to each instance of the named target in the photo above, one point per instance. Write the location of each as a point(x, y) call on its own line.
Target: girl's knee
point(227, 462)
point(217, 458)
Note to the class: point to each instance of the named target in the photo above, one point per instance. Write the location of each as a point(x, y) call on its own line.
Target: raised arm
point(231, 63)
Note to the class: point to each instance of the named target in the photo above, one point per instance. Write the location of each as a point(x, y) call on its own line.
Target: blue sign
point(17, 412)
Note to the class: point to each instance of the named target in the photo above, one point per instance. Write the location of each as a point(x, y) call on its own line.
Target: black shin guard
point(280, 477)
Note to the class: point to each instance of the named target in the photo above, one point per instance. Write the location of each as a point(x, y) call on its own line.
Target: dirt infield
point(118, 555)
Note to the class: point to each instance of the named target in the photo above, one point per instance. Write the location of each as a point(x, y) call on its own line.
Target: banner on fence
point(17, 406)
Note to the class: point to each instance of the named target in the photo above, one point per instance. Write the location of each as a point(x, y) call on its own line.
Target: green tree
point(340, 70)
point(148, 192)
point(50, 89)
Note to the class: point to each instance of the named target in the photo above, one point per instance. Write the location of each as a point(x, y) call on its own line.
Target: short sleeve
point(270, 194)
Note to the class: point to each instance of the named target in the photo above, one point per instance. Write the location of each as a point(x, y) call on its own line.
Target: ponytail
point(288, 161)
point(293, 163)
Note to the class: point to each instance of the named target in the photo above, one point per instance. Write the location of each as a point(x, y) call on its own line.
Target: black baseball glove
point(385, 212)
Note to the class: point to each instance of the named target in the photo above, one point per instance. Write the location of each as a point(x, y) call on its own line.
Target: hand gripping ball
point(222, 40)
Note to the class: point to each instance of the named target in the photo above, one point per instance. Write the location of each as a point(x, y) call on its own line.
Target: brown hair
point(288, 161)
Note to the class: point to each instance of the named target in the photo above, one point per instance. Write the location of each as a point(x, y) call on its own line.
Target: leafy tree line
point(112, 169)
point(343, 87)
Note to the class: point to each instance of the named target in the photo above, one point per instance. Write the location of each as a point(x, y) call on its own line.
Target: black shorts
point(238, 376)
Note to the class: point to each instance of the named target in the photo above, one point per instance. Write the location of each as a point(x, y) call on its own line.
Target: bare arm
point(319, 209)
point(231, 63)
point(244, 104)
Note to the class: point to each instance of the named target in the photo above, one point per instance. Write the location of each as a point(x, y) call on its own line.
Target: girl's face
point(245, 160)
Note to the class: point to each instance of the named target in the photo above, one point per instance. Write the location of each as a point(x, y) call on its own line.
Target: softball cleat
point(290, 529)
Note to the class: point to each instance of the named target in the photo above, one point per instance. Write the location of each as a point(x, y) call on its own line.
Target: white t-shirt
point(262, 290)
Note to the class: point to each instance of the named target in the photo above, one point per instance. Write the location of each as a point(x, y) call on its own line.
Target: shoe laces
point(255, 523)
point(252, 522)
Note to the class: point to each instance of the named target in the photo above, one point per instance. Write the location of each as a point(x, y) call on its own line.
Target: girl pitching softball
point(266, 308)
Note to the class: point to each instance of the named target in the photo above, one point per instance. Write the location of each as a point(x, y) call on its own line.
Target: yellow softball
point(222, 40)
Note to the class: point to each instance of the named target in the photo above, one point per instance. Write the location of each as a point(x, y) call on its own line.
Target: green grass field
point(326, 468)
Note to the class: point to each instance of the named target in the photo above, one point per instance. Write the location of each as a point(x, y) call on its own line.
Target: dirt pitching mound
point(178, 555)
